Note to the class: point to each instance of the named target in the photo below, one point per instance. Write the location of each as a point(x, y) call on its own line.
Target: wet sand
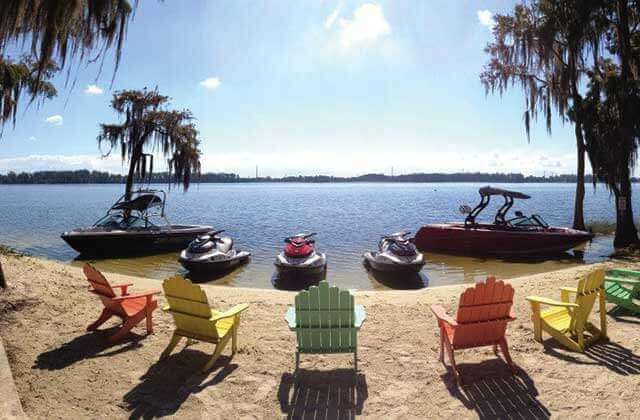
point(61, 371)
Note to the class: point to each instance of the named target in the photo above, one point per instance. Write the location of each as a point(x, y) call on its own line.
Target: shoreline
point(57, 365)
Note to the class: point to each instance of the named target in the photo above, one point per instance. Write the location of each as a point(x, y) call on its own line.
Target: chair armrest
point(441, 314)
point(147, 294)
point(550, 302)
point(360, 316)
point(624, 272)
point(620, 280)
point(290, 317)
point(229, 312)
point(123, 287)
point(569, 289)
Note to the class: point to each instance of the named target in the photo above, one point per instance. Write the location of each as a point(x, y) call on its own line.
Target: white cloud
point(486, 18)
point(330, 20)
point(93, 90)
point(368, 24)
point(55, 119)
point(211, 83)
point(32, 138)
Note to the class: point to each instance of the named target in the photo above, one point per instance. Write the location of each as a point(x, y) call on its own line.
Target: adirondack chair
point(622, 287)
point(483, 314)
point(567, 321)
point(131, 308)
point(196, 321)
point(325, 320)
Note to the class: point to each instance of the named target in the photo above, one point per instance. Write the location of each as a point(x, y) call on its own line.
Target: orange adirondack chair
point(131, 308)
point(483, 314)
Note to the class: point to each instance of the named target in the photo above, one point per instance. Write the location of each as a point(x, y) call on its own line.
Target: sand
point(61, 371)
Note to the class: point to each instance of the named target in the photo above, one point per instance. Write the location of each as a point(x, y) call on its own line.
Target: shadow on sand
point(168, 383)
point(492, 391)
point(87, 346)
point(611, 355)
point(337, 394)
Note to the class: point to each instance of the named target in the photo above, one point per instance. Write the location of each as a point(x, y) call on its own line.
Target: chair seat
point(616, 291)
point(557, 318)
point(134, 306)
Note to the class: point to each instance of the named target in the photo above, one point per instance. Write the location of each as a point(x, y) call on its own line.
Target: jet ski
point(300, 256)
point(396, 253)
point(212, 252)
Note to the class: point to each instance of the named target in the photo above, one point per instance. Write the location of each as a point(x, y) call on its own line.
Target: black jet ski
point(396, 253)
point(212, 252)
point(300, 256)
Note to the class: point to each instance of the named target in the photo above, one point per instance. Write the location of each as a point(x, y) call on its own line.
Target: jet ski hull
point(139, 242)
point(374, 262)
point(209, 266)
point(301, 265)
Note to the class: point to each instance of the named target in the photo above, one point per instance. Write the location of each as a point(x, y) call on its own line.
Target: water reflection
point(399, 281)
point(290, 280)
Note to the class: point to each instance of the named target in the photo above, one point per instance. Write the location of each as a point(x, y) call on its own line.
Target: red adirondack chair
point(483, 314)
point(131, 308)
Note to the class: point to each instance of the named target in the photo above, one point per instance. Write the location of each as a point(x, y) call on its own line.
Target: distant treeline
point(96, 177)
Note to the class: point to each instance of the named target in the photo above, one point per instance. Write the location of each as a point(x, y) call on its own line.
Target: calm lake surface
point(349, 219)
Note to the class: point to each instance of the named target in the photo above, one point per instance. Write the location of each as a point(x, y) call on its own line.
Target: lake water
point(349, 219)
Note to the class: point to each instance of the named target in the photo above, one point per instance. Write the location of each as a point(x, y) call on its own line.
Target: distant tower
point(256, 171)
point(392, 172)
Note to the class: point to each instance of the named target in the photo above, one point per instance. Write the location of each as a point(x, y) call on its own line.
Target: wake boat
point(212, 252)
point(127, 229)
point(300, 256)
point(520, 235)
point(396, 253)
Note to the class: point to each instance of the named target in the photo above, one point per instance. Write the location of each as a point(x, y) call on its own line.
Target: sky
point(307, 87)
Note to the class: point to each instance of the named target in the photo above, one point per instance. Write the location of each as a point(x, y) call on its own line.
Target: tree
point(54, 30)
point(541, 48)
point(149, 128)
point(612, 112)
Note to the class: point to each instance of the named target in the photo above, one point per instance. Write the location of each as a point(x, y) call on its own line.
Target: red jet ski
point(300, 255)
point(520, 235)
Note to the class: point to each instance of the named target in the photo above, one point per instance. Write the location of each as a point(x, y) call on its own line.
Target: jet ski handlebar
point(304, 236)
point(398, 236)
point(213, 233)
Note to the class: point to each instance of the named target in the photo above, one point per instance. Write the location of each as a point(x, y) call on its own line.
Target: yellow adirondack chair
point(567, 321)
point(195, 320)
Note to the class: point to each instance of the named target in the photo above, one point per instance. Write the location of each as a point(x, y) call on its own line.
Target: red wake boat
point(520, 235)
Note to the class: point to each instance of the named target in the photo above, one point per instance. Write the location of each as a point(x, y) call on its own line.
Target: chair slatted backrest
point(189, 306)
point(586, 297)
point(99, 284)
point(483, 312)
point(325, 320)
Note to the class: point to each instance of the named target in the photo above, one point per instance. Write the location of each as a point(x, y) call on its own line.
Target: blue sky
point(305, 87)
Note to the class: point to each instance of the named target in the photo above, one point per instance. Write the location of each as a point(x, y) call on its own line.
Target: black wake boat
point(127, 229)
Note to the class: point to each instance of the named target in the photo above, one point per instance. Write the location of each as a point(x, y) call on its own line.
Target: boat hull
point(455, 238)
point(121, 243)
point(205, 267)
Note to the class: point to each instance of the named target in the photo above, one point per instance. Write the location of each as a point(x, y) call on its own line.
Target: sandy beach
point(61, 371)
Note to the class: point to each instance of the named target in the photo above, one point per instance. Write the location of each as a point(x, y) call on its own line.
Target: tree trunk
point(3, 282)
point(129, 185)
point(578, 209)
point(626, 233)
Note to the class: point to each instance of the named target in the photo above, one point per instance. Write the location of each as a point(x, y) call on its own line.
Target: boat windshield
point(535, 221)
point(118, 221)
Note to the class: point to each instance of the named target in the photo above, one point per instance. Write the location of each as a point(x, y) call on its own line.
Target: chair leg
point(505, 351)
point(104, 317)
point(495, 349)
point(441, 347)
point(149, 316)
point(234, 337)
point(452, 359)
point(219, 347)
point(297, 361)
point(175, 339)
point(355, 360)
point(122, 332)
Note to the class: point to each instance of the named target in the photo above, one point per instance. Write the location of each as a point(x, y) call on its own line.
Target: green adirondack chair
point(326, 320)
point(622, 287)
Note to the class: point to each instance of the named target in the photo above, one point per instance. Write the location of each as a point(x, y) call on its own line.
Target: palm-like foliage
point(148, 128)
point(542, 48)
